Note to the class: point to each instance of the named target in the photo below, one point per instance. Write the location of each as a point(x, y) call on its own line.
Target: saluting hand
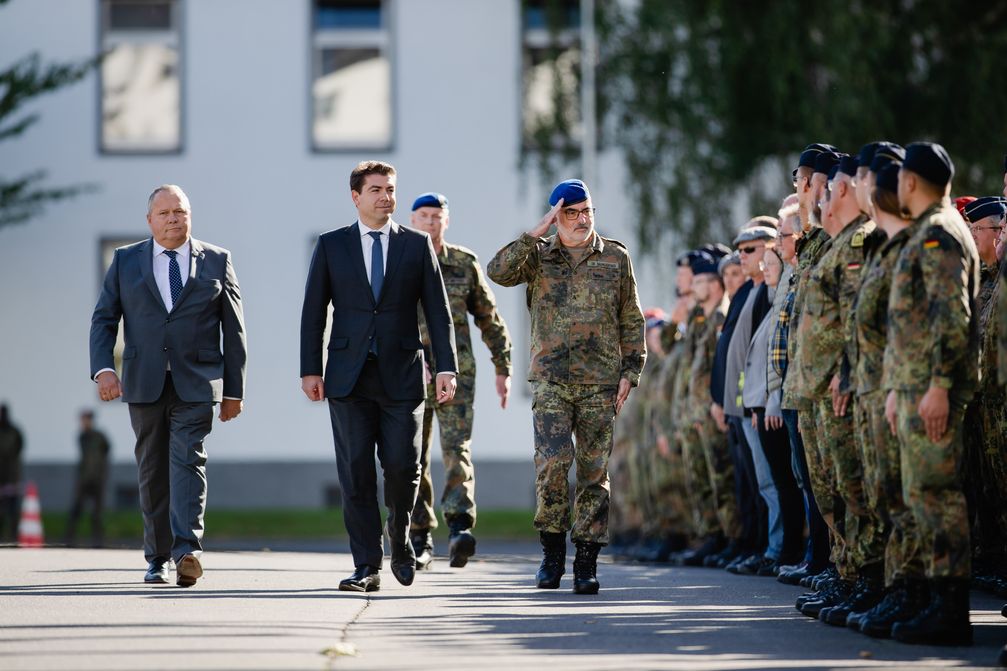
point(551, 217)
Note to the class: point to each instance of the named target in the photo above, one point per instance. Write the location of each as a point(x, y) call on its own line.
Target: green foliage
point(712, 101)
point(25, 196)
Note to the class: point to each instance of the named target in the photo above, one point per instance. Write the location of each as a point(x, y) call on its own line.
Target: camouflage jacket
point(695, 327)
point(871, 314)
point(1002, 324)
point(932, 319)
point(829, 294)
point(811, 247)
point(705, 348)
point(989, 328)
point(469, 293)
point(586, 323)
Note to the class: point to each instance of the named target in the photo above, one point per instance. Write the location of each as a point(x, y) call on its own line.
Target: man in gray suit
point(184, 352)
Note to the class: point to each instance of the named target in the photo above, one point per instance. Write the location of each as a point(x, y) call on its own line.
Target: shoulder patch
point(857, 240)
point(463, 251)
point(614, 242)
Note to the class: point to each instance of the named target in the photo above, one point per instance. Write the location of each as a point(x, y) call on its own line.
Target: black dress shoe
point(365, 579)
point(403, 563)
point(157, 572)
point(423, 547)
point(461, 546)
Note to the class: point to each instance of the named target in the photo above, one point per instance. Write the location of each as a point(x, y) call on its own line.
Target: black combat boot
point(867, 592)
point(712, 544)
point(944, 621)
point(903, 602)
point(585, 568)
point(461, 543)
point(553, 559)
point(423, 546)
point(833, 595)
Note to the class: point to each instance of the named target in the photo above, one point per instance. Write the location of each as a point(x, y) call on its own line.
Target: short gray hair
point(167, 187)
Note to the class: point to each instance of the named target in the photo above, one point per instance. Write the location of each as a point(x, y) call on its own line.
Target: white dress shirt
point(367, 243)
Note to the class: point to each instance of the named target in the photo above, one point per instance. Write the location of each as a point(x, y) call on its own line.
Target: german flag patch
point(853, 265)
point(932, 243)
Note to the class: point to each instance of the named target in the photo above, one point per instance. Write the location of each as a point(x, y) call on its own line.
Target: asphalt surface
point(89, 609)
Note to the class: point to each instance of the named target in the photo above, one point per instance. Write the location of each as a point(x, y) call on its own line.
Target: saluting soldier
point(587, 353)
point(468, 293)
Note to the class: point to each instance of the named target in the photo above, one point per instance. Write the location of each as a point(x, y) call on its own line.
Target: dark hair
point(886, 201)
point(365, 168)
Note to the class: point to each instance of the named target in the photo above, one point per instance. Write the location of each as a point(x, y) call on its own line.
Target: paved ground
point(87, 609)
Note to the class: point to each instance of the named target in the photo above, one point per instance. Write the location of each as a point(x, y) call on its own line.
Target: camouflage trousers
point(993, 465)
point(721, 469)
point(671, 512)
point(624, 514)
point(573, 422)
point(698, 483)
point(454, 421)
point(932, 488)
point(837, 436)
point(892, 521)
point(822, 473)
point(640, 492)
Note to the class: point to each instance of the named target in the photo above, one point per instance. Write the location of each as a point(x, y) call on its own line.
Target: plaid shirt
point(778, 344)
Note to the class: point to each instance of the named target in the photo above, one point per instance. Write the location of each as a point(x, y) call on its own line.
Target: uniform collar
point(597, 244)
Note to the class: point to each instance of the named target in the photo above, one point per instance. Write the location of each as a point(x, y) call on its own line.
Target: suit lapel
point(356, 253)
point(195, 266)
point(395, 246)
point(146, 252)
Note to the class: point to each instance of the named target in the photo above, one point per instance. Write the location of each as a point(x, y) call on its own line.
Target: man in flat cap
point(931, 373)
point(831, 292)
point(587, 352)
point(468, 292)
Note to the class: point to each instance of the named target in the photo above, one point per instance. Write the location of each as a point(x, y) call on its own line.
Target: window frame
point(178, 15)
point(384, 40)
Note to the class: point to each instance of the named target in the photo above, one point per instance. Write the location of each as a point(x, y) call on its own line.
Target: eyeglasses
point(749, 250)
point(573, 214)
point(785, 235)
point(985, 228)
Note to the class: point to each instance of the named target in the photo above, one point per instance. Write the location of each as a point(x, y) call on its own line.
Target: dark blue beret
point(986, 206)
point(866, 154)
point(685, 259)
point(571, 191)
point(703, 262)
point(885, 154)
point(887, 178)
point(833, 171)
point(716, 249)
point(811, 153)
point(430, 200)
point(848, 165)
point(930, 161)
point(825, 160)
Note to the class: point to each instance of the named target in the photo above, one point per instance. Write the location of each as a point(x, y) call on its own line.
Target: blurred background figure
point(92, 474)
point(11, 447)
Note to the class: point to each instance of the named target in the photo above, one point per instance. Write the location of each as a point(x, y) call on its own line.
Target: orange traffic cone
point(29, 531)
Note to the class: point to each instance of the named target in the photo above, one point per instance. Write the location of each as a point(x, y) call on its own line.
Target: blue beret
point(866, 154)
point(848, 165)
point(930, 161)
point(811, 153)
point(685, 259)
point(703, 262)
point(755, 233)
point(430, 200)
point(888, 177)
point(885, 154)
point(986, 206)
point(716, 249)
point(825, 160)
point(571, 191)
point(833, 171)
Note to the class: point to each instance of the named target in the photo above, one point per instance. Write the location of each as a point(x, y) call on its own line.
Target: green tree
point(25, 196)
point(712, 101)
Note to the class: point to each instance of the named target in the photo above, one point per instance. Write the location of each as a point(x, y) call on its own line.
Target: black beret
point(825, 160)
point(888, 177)
point(930, 161)
point(685, 260)
point(866, 154)
point(811, 152)
point(703, 262)
point(986, 206)
point(716, 249)
point(885, 154)
point(848, 165)
point(833, 171)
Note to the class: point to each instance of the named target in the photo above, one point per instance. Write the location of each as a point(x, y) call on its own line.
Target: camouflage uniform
point(624, 510)
point(879, 449)
point(933, 341)
point(716, 454)
point(698, 479)
point(830, 292)
point(587, 333)
point(1001, 337)
point(467, 292)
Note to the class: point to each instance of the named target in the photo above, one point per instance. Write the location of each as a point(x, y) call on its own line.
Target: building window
point(106, 250)
point(550, 72)
point(141, 87)
point(351, 87)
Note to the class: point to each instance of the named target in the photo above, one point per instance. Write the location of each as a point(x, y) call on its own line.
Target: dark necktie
point(174, 276)
point(377, 265)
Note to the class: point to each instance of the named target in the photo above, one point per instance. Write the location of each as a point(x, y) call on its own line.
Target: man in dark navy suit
point(375, 274)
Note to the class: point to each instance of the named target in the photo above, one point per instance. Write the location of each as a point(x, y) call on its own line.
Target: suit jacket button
point(375, 312)
point(165, 349)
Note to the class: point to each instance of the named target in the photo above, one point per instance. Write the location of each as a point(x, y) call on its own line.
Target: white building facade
point(259, 109)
